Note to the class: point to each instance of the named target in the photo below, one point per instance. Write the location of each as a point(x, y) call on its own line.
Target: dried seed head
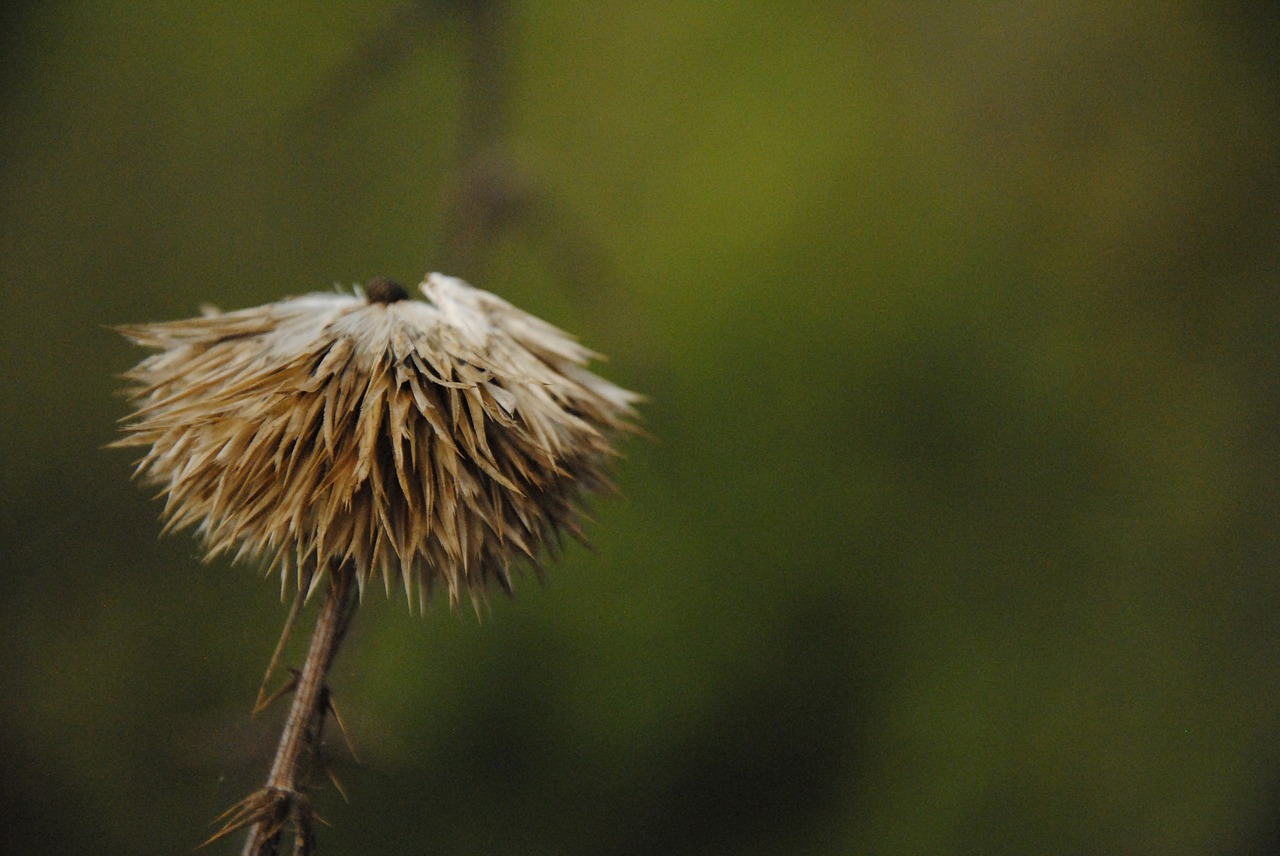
point(426, 442)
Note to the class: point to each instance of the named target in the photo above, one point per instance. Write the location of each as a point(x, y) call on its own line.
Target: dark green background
point(959, 324)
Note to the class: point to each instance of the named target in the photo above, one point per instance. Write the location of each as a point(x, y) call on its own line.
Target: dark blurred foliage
point(959, 323)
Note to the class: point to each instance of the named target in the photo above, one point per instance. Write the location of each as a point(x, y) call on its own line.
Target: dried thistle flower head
point(429, 441)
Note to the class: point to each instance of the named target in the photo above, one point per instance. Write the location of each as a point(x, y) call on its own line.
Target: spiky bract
point(436, 441)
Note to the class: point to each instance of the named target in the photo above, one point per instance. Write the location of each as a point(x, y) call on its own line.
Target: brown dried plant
point(345, 438)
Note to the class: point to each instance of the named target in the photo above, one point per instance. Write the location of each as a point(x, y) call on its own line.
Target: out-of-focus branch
point(487, 196)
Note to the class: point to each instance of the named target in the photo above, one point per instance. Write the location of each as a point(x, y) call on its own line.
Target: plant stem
point(307, 713)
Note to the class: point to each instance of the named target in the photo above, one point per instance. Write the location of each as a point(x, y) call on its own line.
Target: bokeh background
point(958, 534)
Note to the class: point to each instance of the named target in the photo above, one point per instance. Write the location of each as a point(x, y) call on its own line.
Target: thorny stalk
point(281, 801)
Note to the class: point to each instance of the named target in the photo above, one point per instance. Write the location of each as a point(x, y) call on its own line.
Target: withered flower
point(436, 441)
point(346, 437)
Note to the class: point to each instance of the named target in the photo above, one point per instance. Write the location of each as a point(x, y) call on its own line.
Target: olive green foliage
point(958, 323)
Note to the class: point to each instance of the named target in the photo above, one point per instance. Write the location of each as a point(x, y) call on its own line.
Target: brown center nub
point(383, 289)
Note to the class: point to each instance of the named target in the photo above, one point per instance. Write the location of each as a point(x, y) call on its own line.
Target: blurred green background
point(959, 324)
